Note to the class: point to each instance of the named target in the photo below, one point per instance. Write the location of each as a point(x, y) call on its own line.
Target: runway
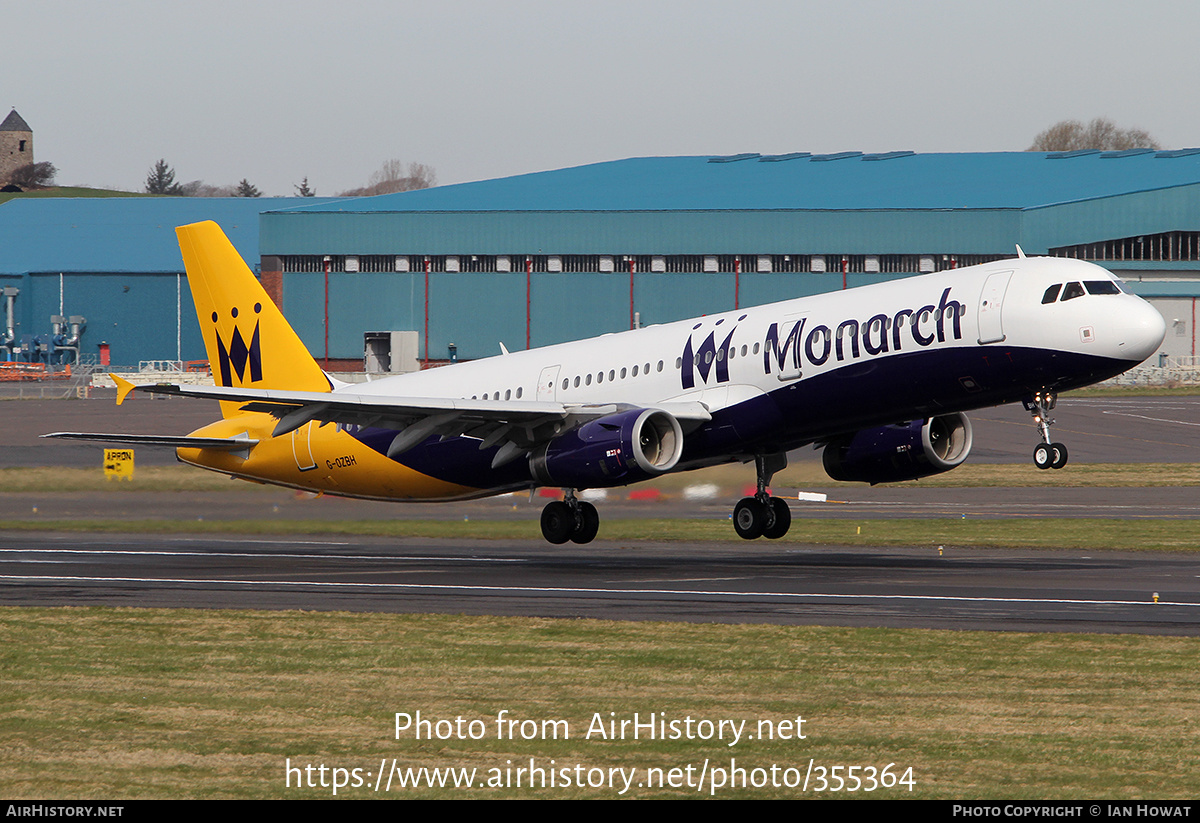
point(725, 582)
point(1160, 429)
point(717, 582)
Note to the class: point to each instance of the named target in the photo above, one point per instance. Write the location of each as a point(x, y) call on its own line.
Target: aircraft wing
point(515, 426)
point(228, 443)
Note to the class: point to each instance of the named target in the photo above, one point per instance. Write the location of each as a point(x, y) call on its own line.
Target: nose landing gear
point(1046, 455)
point(763, 515)
point(570, 519)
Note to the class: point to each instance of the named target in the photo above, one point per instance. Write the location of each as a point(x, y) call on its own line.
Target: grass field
point(731, 479)
point(140, 703)
point(69, 191)
point(113, 703)
point(951, 533)
point(1071, 533)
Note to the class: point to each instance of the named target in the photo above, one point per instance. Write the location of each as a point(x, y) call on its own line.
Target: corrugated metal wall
point(478, 311)
point(136, 314)
point(757, 232)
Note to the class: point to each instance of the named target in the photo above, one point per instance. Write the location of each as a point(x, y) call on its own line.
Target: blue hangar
point(576, 252)
point(113, 262)
point(559, 255)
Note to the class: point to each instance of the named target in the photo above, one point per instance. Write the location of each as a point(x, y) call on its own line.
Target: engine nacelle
point(904, 451)
point(611, 451)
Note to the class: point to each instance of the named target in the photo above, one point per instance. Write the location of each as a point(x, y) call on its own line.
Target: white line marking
point(572, 590)
point(1155, 419)
point(134, 553)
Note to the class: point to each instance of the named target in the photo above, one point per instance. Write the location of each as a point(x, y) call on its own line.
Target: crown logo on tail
point(237, 356)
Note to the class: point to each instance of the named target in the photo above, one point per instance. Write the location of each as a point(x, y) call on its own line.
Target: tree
point(161, 180)
point(34, 175)
point(1101, 133)
point(247, 189)
point(198, 188)
point(393, 177)
point(303, 190)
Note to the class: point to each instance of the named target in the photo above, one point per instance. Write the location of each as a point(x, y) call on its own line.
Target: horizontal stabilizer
point(173, 441)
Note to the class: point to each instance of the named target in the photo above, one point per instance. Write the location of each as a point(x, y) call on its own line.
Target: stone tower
point(16, 145)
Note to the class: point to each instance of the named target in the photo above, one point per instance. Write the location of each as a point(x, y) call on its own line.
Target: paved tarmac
point(715, 582)
point(1095, 430)
point(734, 582)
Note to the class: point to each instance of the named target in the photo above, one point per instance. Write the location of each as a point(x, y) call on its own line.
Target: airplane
point(879, 376)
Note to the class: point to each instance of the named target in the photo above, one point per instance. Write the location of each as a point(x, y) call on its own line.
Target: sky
point(274, 92)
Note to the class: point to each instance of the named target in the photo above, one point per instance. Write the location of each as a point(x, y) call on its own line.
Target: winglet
point(124, 387)
point(1020, 252)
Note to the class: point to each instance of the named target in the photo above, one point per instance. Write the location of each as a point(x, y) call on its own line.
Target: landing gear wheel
point(1058, 457)
point(782, 521)
point(1046, 455)
point(1043, 455)
point(587, 524)
point(558, 522)
point(749, 518)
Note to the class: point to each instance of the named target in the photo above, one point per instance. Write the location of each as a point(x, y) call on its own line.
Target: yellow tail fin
point(249, 342)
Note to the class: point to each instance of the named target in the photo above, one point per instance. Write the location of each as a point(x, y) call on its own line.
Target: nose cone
point(1141, 330)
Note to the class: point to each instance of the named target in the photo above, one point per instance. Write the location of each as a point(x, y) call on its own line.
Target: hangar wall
point(477, 311)
point(116, 262)
point(641, 232)
point(119, 263)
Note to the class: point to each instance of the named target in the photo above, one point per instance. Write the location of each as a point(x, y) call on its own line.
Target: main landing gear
point(763, 515)
point(570, 519)
point(1046, 455)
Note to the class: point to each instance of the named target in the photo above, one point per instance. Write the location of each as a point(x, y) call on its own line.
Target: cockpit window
point(1072, 291)
point(1051, 293)
point(1101, 287)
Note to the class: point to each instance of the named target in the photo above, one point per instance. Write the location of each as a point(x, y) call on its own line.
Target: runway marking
point(690, 579)
point(986, 505)
point(250, 554)
point(582, 591)
point(1154, 419)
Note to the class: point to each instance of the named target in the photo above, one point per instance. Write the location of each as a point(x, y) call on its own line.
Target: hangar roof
point(803, 181)
point(118, 234)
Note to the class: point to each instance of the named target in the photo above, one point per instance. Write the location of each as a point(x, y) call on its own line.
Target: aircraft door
point(547, 383)
point(991, 303)
point(302, 447)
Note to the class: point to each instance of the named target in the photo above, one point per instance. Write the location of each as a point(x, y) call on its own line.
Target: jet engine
point(610, 451)
point(904, 451)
